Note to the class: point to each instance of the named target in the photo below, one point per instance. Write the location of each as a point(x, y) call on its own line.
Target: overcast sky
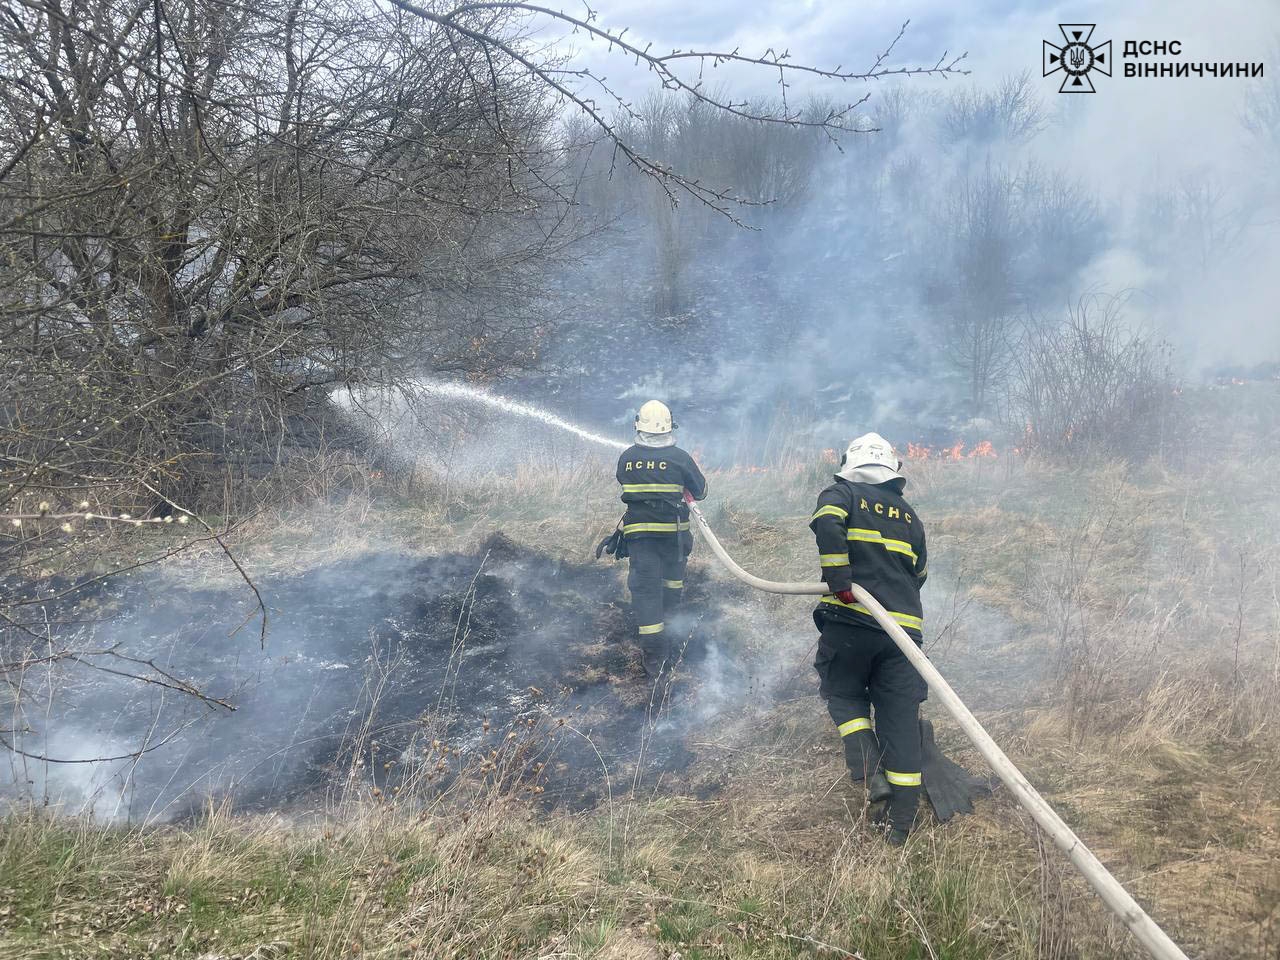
point(1192, 120)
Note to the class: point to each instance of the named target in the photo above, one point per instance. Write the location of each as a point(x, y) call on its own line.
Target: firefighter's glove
point(844, 596)
point(615, 545)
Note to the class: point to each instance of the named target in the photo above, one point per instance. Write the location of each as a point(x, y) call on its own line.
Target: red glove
point(688, 497)
point(845, 596)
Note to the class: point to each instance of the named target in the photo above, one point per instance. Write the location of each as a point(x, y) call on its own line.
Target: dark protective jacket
point(869, 533)
point(653, 483)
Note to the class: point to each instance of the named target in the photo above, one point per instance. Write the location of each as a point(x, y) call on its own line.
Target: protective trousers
point(656, 579)
point(861, 667)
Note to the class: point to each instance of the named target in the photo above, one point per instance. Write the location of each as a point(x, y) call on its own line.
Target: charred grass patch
point(400, 670)
point(1099, 616)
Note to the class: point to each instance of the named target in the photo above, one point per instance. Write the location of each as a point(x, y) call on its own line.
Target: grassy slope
point(1091, 619)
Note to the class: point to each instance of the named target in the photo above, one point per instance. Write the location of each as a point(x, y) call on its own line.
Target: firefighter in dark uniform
point(866, 530)
point(654, 474)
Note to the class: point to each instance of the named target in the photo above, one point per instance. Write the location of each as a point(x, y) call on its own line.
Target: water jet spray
point(1109, 890)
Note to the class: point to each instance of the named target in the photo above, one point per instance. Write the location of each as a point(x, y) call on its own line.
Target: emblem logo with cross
point(1077, 57)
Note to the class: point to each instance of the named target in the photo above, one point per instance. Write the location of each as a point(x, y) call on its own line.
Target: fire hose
point(1108, 889)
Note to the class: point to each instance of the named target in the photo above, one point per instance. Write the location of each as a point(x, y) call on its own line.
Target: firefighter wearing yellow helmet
point(865, 529)
point(655, 474)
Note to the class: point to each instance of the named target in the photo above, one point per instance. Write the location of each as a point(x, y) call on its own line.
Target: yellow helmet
point(654, 417)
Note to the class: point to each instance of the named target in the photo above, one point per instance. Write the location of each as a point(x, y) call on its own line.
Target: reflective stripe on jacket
point(654, 480)
point(869, 533)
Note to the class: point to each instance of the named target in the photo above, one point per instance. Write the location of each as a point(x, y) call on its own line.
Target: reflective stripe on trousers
point(675, 526)
point(854, 725)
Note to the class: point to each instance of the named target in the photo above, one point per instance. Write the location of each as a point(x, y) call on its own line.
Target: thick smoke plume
point(894, 284)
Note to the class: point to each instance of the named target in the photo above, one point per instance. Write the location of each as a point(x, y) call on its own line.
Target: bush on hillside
point(1088, 381)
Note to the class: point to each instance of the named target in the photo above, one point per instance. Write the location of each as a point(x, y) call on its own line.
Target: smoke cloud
point(370, 660)
point(841, 312)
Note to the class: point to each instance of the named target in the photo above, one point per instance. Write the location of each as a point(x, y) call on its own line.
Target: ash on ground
point(376, 666)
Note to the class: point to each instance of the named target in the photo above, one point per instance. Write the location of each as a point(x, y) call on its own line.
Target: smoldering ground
point(370, 661)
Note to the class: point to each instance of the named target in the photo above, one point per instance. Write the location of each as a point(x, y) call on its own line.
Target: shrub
point(1089, 381)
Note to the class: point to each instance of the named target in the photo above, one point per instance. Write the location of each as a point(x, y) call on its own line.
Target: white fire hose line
point(1115, 896)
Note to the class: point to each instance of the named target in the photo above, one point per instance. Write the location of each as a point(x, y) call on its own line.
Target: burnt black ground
point(402, 649)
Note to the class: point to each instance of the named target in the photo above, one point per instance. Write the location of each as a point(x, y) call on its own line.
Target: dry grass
point(780, 863)
point(777, 869)
point(1099, 621)
point(380, 884)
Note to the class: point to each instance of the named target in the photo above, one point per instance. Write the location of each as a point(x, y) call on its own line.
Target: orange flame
point(917, 451)
point(982, 450)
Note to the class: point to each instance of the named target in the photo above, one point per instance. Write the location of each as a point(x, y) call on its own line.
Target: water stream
point(462, 391)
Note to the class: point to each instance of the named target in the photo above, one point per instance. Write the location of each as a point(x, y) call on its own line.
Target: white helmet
point(654, 417)
point(871, 456)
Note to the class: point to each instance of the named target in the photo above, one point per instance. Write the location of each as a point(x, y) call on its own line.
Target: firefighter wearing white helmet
point(654, 418)
point(655, 474)
point(864, 527)
point(871, 459)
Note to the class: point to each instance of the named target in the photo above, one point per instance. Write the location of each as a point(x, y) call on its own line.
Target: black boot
point(862, 757)
point(900, 813)
point(878, 788)
point(655, 663)
point(893, 835)
point(861, 754)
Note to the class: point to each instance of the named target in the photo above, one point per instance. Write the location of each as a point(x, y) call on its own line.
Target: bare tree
point(1008, 241)
point(980, 296)
point(212, 215)
point(771, 167)
point(1262, 121)
point(1011, 113)
point(1195, 225)
point(209, 217)
point(680, 71)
